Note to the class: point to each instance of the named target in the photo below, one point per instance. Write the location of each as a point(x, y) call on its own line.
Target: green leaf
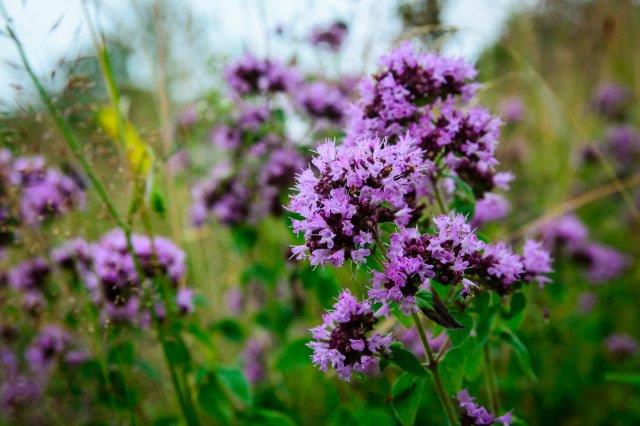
point(370, 415)
point(459, 335)
point(230, 329)
point(516, 314)
point(432, 306)
point(122, 353)
point(177, 353)
point(244, 237)
point(406, 394)
point(520, 350)
point(212, 399)
point(406, 360)
point(626, 378)
point(157, 202)
point(464, 200)
point(296, 354)
point(234, 380)
point(264, 417)
point(473, 358)
point(200, 334)
point(403, 318)
point(452, 368)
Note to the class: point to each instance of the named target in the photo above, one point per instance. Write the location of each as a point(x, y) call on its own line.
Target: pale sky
point(56, 29)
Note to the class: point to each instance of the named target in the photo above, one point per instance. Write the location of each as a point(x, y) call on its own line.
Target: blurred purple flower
point(251, 76)
point(586, 302)
point(30, 275)
point(511, 109)
point(254, 359)
point(411, 340)
point(323, 101)
point(611, 100)
point(622, 345)
point(490, 208)
point(331, 36)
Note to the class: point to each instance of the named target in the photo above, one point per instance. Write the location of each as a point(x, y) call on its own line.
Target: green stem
point(439, 198)
point(433, 367)
point(492, 384)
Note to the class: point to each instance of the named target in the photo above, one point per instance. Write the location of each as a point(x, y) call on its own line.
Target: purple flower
point(414, 258)
point(353, 189)
point(603, 263)
point(184, 300)
point(498, 267)
point(472, 413)
point(622, 345)
point(623, 142)
point(50, 344)
point(235, 301)
point(346, 341)
point(55, 195)
point(586, 301)
point(74, 254)
point(611, 100)
point(19, 392)
point(188, 116)
point(566, 231)
point(118, 278)
point(323, 101)
point(331, 36)
point(254, 357)
point(250, 76)
point(511, 109)
point(489, 208)
point(536, 261)
point(393, 101)
point(411, 340)
point(30, 275)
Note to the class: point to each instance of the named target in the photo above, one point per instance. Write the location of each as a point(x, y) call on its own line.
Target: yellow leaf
point(139, 153)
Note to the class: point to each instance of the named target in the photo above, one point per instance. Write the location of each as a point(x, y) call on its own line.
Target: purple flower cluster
point(31, 193)
point(411, 340)
point(422, 94)
point(499, 268)
point(622, 345)
point(253, 76)
point(254, 355)
point(121, 286)
point(323, 101)
point(453, 255)
point(413, 259)
point(354, 189)
point(249, 184)
point(490, 208)
point(30, 278)
point(331, 37)
point(50, 345)
point(567, 235)
point(611, 100)
point(511, 109)
point(623, 143)
point(473, 414)
point(346, 340)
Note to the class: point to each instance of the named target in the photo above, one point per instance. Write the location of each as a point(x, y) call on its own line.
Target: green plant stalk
point(184, 394)
point(433, 367)
point(492, 384)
